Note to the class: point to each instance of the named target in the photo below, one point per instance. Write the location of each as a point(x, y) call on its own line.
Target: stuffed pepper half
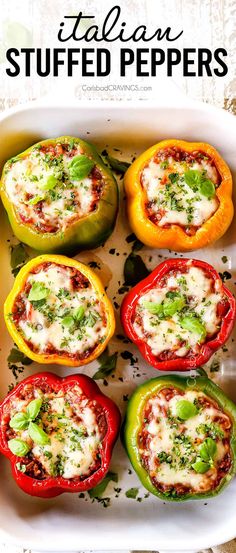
point(179, 195)
point(58, 312)
point(180, 437)
point(60, 196)
point(179, 315)
point(58, 433)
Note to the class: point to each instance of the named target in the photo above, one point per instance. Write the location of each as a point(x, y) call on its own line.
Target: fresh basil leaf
point(38, 291)
point(79, 313)
point(33, 408)
point(196, 180)
point(19, 421)
point(19, 255)
point(153, 307)
point(35, 200)
point(18, 447)
point(134, 269)
point(192, 177)
point(100, 488)
point(207, 188)
point(107, 365)
point(185, 409)
point(208, 450)
point(172, 306)
point(132, 493)
point(80, 167)
point(201, 467)
point(37, 434)
point(49, 184)
point(193, 324)
point(118, 165)
point(68, 321)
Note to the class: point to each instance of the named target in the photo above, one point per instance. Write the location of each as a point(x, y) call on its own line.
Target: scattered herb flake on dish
point(107, 364)
point(132, 493)
point(19, 256)
point(100, 488)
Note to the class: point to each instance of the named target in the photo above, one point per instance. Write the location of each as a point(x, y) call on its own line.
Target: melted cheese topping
point(165, 333)
point(52, 322)
point(69, 420)
point(171, 199)
point(50, 210)
point(169, 446)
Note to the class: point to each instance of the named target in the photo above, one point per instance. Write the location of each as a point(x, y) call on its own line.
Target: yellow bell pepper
point(59, 356)
point(174, 236)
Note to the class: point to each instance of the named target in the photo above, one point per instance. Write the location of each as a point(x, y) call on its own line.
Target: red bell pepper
point(167, 361)
point(51, 486)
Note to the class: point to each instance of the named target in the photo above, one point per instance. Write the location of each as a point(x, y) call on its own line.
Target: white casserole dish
point(68, 523)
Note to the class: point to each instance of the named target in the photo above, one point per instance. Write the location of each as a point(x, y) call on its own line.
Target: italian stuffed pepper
point(58, 312)
point(179, 315)
point(60, 196)
point(180, 437)
point(58, 433)
point(179, 195)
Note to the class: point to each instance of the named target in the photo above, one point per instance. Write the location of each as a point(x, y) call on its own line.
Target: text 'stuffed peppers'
point(179, 315)
point(179, 434)
point(58, 433)
point(58, 312)
point(179, 195)
point(59, 195)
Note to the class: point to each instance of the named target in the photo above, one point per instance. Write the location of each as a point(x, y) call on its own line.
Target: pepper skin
point(84, 233)
point(18, 286)
point(133, 420)
point(207, 348)
point(53, 486)
point(174, 237)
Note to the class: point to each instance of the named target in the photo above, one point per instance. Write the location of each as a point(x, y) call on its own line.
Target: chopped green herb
point(16, 356)
point(19, 257)
point(118, 165)
point(107, 365)
point(100, 488)
point(132, 493)
point(134, 269)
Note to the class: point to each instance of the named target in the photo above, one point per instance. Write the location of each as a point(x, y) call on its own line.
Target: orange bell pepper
point(173, 236)
point(15, 308)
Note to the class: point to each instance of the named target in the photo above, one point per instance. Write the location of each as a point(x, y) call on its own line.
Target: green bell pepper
point(206, 453)
point(54, 184)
